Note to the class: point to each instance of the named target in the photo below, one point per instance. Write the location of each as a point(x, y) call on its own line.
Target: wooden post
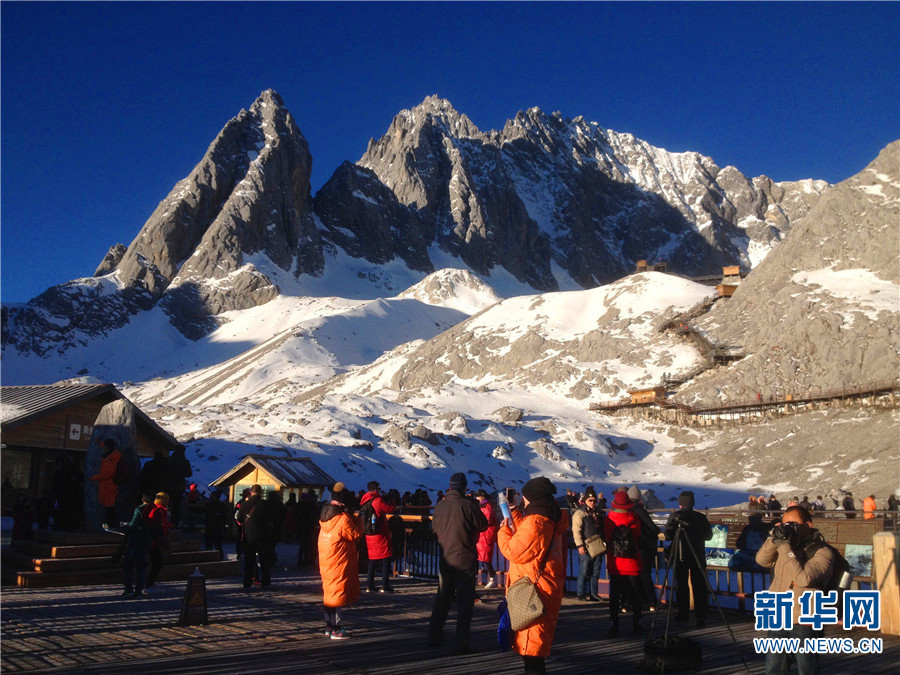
point(885, 561)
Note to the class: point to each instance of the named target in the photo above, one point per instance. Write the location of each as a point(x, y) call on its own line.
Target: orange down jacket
point(107, 490)
point(338, 556)
point(869, 508)
point(524, 550)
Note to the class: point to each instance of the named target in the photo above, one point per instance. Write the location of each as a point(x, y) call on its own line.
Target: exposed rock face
point(800, 314)
point(591, 200)
point(365, 218)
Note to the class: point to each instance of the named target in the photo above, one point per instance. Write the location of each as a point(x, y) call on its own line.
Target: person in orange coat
point(338, 558)
point(542, 526)
point(869, 507)
point(107, 490)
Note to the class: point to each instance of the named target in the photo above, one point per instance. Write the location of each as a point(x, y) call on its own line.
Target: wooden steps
point(172, 571)
point(54, 559)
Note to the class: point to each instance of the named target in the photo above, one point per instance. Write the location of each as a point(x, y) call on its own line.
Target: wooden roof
point(287, 471)
point(23, 404)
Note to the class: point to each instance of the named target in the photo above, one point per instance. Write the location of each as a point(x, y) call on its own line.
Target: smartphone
point(511, 495)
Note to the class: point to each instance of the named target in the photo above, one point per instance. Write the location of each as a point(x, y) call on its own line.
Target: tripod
point(672, 562)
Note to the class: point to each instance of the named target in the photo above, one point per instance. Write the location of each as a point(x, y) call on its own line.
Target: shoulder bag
point(523, 601)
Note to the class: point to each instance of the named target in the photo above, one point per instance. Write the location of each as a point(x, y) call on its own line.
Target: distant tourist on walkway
point(338, 558)
point(893, 503)
point(819, 504)
point(622, 529)
point(869, 507)
point(176, 469)
point(107, 490)
point(689, 531)
point(487, 539)
point(648, 543)
point(587, 523)
point(215, 517)
point(138, 538)
point(773, 506)
point(160, 524)
point(255, 518)
point(457, 522)
point(849, 505)
point(374, 510)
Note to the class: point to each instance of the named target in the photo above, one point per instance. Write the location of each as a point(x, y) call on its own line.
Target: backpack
point(623, 545)
point(840, 568)
point(123, 472)
point(370, 520)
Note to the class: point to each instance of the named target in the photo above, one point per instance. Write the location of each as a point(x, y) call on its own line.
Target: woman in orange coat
point(338, 558)
point(542, 526)
point(107, 490)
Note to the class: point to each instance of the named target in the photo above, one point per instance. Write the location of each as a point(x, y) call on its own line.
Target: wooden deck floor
point(90, 630)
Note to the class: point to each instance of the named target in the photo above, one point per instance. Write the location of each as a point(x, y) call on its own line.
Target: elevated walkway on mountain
point(884, 394)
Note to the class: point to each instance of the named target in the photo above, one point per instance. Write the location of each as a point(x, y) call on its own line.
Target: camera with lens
point(786, 532)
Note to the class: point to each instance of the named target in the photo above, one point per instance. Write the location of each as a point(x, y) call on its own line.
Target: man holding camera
point(802, 562)
point(689, 530)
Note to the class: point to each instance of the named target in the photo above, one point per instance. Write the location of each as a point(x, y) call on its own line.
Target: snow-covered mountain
point(555, 203)
point(407, 323)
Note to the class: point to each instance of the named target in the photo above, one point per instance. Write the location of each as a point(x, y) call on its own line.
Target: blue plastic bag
point(504, 629)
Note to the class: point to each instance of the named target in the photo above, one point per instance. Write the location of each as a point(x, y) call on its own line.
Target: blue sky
point(105, 106)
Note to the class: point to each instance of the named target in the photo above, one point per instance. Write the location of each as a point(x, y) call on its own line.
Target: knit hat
point(686, 498)
point(589, 492)
point(634, 493)
point(338, 488)
point(539, 491)
point(621, 501)
point(482, 494)
point(458, 481)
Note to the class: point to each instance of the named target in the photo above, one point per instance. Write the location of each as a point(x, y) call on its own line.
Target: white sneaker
point(490, 584)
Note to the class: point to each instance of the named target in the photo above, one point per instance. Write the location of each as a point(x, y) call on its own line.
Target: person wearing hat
point(378, 544)
point(622, 530)
point(338, 558)
point(689, 531)
point(540, 538)
point(773, 504)
point(487, 539)
point(648, 543)
point(587, 523)
point(457, 522)
point(160, 524)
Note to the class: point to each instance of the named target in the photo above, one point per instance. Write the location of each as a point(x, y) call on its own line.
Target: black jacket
point(457, 522)
point(255, 516)
point(698, 531)
point(649, 539)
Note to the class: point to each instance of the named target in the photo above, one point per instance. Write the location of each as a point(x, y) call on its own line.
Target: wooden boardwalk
point(279, 630)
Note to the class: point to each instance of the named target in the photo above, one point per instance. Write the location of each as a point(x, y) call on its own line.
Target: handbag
point(595, 546)
point(524, 604)
point(522, 599)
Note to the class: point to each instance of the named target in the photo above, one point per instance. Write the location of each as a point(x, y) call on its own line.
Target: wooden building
point(726, 290)
point(647, 395)
point(644, 266)
point(38, 424)
point(285, 475)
